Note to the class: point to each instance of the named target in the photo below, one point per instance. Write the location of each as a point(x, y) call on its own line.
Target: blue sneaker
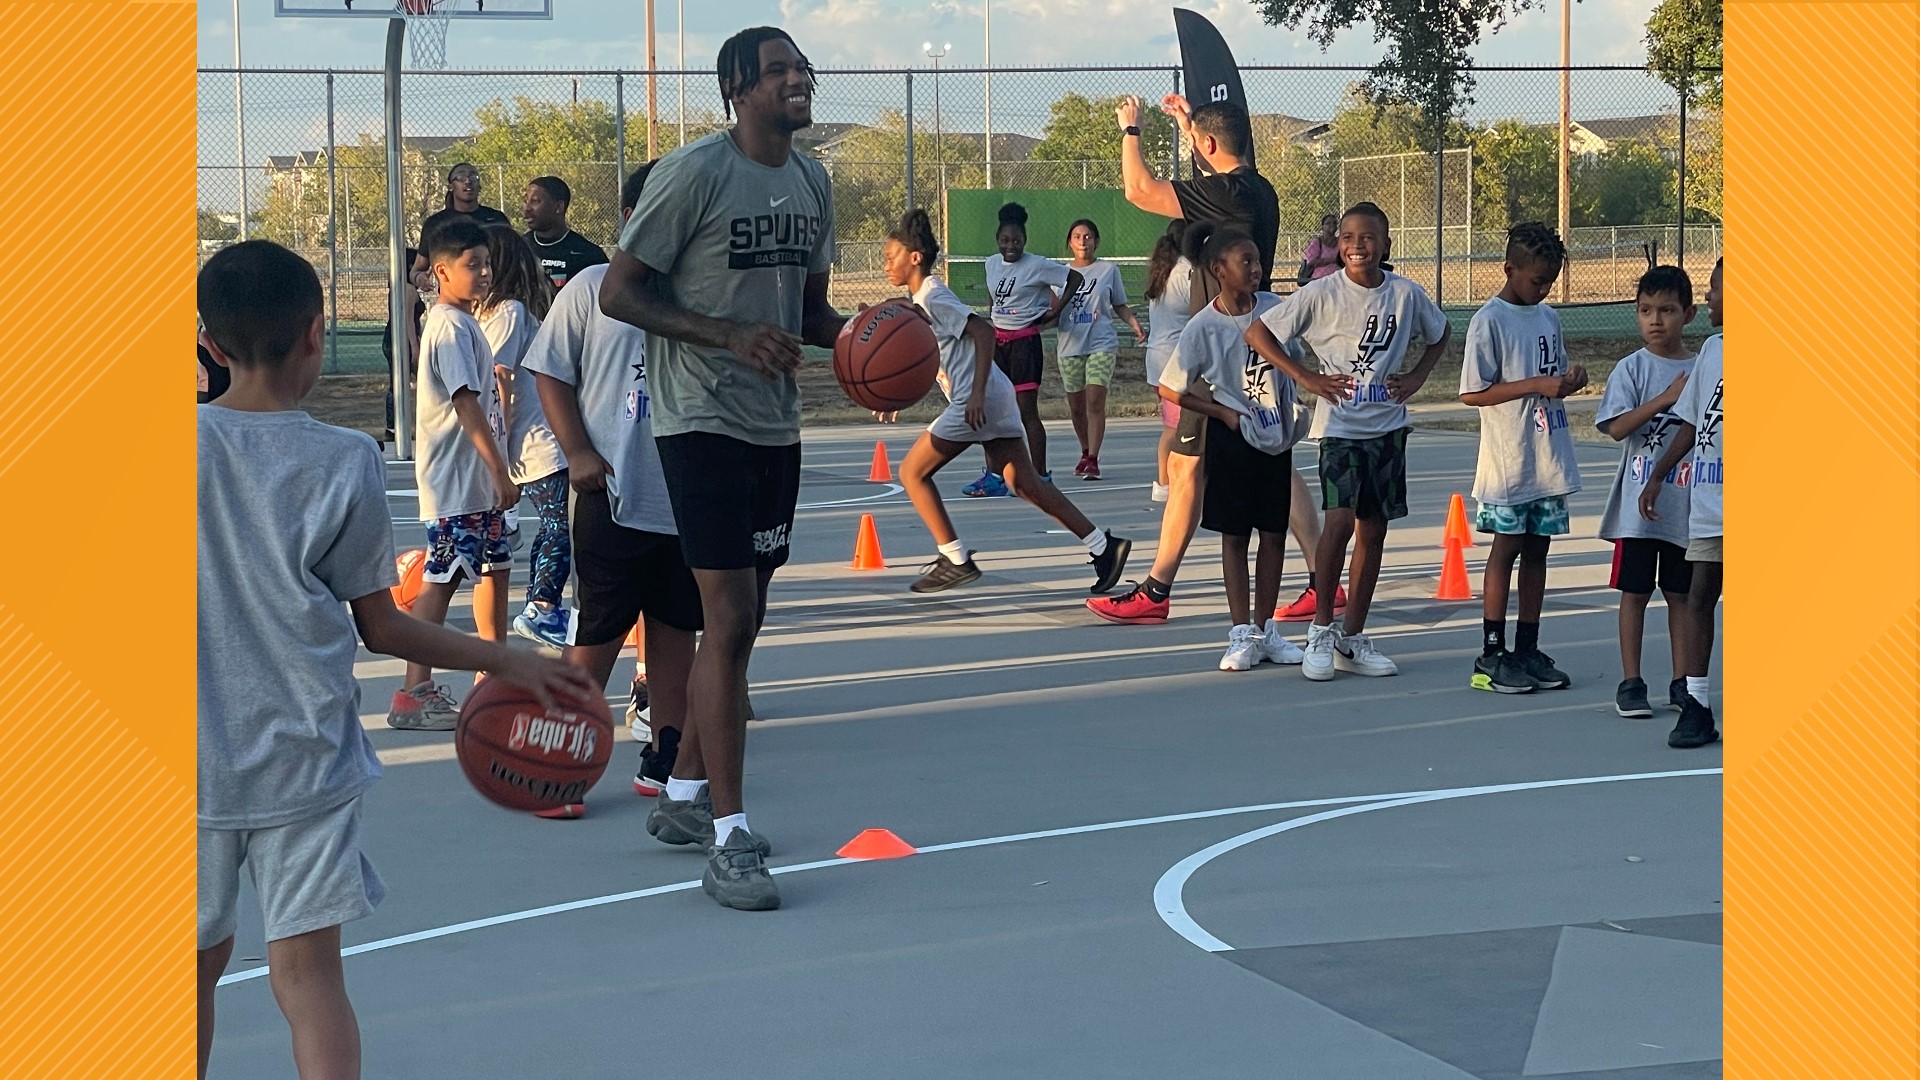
point(1047, 477)
point(988, 486)
point(551, 627)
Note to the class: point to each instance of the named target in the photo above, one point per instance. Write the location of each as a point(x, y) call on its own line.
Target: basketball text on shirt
point(772, 239)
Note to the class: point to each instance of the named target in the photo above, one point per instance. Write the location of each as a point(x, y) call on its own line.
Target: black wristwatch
point(1130, 129)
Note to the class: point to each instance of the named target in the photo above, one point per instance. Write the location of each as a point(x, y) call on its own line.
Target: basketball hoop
point(427, 22)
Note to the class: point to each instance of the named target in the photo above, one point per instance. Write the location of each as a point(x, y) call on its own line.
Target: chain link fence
point(316, 174)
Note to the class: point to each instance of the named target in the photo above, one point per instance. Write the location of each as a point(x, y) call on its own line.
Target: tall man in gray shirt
point(725, 263)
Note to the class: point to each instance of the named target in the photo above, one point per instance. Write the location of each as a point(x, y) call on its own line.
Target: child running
point(981, 409)
point(516, 304)
point(460, 467)
point(1516, 373)
point(1251, 430)
point(1361, 323)
point(1637, 412)
point(1169, 288)
point(1088, 343)
point(295, 553)
point(1024, 303)
point(1701, 410)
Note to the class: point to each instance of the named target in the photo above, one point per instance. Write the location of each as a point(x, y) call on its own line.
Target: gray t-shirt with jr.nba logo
point(731, 239)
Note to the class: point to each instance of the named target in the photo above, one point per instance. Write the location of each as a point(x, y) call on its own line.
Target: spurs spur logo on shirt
point(772, 239)
point(1259, 390)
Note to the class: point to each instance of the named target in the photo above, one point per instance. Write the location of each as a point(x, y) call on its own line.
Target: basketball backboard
point(385, 9)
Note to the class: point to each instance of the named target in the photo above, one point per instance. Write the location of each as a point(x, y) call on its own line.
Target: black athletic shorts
point(1024, 361)
point(1190, 434)
point(1366, 476)
point(623, 574)
point(733, 500)
point(1248, 489)
point(1641, 562)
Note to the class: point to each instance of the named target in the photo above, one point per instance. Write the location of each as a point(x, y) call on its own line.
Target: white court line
point(1168, 893)
point(892, 489)
point(1374, 801)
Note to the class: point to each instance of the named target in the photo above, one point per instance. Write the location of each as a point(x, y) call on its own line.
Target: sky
point(887, 33)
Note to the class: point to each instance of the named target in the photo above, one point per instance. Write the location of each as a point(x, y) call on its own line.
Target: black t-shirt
point(566, 256)
point(1241, 199)
point(482, 215)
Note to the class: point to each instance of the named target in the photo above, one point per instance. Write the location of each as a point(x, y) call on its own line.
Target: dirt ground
point(358, 401)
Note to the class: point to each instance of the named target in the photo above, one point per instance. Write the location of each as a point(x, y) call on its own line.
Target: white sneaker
point(1159, 492)
point(1276, 647)
point(1245, 648)
point(1316, 662)
point(1355, 653)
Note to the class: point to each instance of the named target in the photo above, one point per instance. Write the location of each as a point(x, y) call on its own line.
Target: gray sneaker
point(426, 707)
point(737, 877)
point(689, 821)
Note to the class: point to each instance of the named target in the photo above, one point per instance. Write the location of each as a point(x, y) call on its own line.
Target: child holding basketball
point(1516, 374)
point(1637, 412)
point(460, 466)
point(1701, 437)
point(510, 315)
point(293, 535)
point(1024, 303)
point(1251, 430)
point(981, 410)
point(1088, 344)
point(1361, 322)
point(1169, 288)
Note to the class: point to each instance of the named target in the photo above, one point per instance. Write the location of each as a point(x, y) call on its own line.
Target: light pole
point(240, 122)
point(940, 150)
point(986, 15)
point(1566, 136)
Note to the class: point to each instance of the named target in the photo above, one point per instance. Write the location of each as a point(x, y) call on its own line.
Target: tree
point(1629, 183)
point(1428, 63)
point(216, 229)
point(1684, 37)
point(1082, 129)
point(1516, 174)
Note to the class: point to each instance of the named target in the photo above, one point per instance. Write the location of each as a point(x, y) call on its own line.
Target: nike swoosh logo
point(1188, 438)
point(778, 201)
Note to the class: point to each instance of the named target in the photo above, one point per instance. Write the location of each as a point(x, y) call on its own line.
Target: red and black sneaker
point(1302, 610)
point(568, 812)
point(1131, 608)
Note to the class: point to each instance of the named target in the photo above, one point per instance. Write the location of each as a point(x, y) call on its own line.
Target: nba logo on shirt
point(1637, 468)
point(636, 404)
point(1685, 474)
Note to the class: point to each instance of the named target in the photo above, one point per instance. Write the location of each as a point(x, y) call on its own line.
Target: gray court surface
point(1237, 875)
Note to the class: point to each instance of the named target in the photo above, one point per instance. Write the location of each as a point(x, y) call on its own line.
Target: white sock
point(955, 553)
point(1096, 542)
point(1697, 690)
point(684, 790)
point(723, 827)
point(640, 669)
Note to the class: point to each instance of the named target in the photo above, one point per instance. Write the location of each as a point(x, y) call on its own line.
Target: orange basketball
point(886, 356)
point(525, 757)
point(412, 565)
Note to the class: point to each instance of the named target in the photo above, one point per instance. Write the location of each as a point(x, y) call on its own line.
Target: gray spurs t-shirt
point(731, 239)
point(293, 524)
point(1526, 447)
point(605, 361)
point(1632, 383)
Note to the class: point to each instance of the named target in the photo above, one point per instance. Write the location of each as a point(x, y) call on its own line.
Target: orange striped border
point(1822, 519)
point(96, 603)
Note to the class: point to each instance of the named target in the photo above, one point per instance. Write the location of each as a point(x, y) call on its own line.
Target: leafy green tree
point(1082, 129)
point(1683, 37)
point(1428, 63)
point(1629, 183)
point(212, 227)
point(1516, 174)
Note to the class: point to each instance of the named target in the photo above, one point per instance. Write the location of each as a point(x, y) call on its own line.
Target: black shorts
point(1640, 562)
point(1024, 361)
point(1248, 489)
point(625, 573)
point(733, 500)
point(1366, 476)
point(1190, 434)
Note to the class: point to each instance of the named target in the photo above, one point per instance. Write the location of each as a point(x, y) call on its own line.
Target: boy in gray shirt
point(725, 263)
point(294, 533)
point(1515, 372)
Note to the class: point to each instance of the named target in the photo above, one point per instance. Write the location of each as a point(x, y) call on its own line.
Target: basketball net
point(427, 22)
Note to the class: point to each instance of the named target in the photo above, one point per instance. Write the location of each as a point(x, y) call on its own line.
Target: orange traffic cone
point(866, 547)
point(1453, 574)
point(882, 471)
point(876, 844)
point(1457, 529)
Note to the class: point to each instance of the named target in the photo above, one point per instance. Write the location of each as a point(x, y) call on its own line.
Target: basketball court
point(1130, 864)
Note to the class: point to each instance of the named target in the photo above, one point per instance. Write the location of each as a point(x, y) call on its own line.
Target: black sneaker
point(1631, 699)
point(1695, 728)
point(1539, 667)
point(1677, 694)
point(942, 574)
point(656, 763)
point(1500, 673)
point(1111, 563)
